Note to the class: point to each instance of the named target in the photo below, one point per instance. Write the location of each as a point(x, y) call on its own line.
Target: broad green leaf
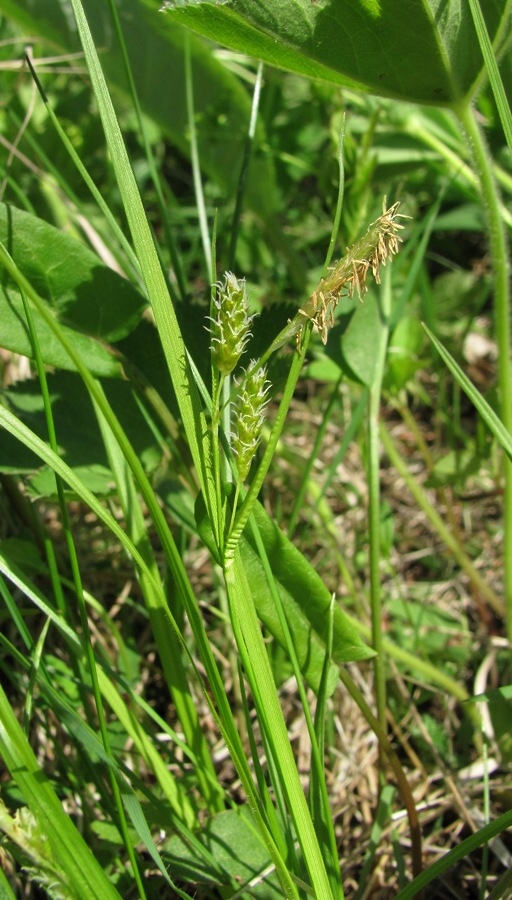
point(304, 596)
point(155, 46)
point(236, 849)
point(403, 353)
point(426, 51)
point(77, 429)
point(84, 293)
point(14, 336)
point(360, 341)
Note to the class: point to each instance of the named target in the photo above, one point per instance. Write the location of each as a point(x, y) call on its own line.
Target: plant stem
point(374, 500)
point(501, 271)
point(258, 671)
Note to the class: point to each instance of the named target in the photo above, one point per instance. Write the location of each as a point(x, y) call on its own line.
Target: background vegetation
point(183, 710)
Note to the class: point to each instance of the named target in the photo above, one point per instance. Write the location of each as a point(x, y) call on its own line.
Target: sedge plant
point(296, 836)
point(214, 436)
point(450, 78)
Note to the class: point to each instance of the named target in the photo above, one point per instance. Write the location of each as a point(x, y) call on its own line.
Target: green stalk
point(454, 165)
point(259, 674)
point(491, 51)
point(194, 158)
point(244, 171)
point(320, 808)
point(150, 158)
point(501, 273)
point(374, 499)
point(177, 360)
point(244, 512)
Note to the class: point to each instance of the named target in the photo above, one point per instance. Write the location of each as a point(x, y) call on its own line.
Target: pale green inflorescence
point(230, 327)
point(250, 414)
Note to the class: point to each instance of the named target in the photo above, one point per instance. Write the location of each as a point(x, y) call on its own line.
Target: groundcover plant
point(256, 542)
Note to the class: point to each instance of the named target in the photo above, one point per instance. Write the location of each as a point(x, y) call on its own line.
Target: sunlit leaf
point(425, 51)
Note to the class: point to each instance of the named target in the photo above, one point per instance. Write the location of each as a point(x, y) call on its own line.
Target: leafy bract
point(304, 597)
point(360, 341)
point(425, 51)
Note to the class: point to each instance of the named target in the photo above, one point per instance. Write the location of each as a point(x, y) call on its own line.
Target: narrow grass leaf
point(85, 877)
point(259, 675)
point(491, 64)
point(469, 845)
point(224, 716)
point(488, 415)
point(172, 342)
point(169, 643)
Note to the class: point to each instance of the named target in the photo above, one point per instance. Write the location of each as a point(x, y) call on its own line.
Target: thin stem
point(242, 181)
point(374, 499)
point(194, 157)
point(501, 272)
point(217, 460)
point(341, 194)
point(254, 489)
point(150, 158)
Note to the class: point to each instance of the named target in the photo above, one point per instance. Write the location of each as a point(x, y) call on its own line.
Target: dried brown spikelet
point(348, 276)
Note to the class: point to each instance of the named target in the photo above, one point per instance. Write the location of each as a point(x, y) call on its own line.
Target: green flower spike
point(250, 415)
point(230, 327)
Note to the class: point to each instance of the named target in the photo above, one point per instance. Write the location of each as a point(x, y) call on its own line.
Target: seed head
point(249, 417)
point(230, 326)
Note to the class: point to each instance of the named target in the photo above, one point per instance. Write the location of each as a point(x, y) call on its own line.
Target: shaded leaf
point(305, 596)
point(231, 839)
point(85, 294)
point(77, 430)
point(360, 341)
point(15, 337)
